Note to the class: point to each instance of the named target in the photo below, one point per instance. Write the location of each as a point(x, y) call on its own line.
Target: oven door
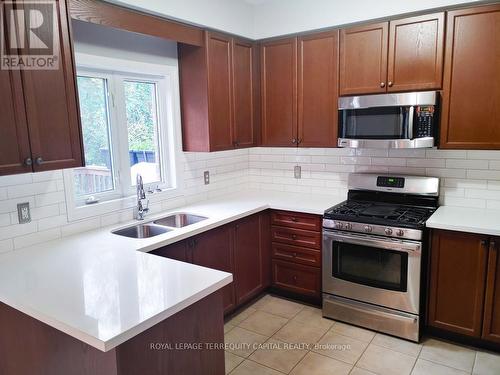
point(372, 269)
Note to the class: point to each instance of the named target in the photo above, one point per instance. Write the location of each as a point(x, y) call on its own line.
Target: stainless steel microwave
point(405, 120)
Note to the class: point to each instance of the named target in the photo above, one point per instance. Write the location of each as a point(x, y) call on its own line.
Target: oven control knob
point(400, 232)
point(340, 225)
point(348, 226)
point(388, 231)
point(368, 228)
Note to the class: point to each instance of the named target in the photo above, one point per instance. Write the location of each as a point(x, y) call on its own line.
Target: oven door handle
point(380, 243)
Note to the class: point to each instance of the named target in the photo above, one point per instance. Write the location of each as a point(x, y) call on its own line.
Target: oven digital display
point(392, 182)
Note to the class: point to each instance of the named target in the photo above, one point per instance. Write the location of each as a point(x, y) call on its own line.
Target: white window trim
point(169, 111)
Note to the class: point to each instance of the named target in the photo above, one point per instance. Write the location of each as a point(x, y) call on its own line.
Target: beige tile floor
point(275, 336)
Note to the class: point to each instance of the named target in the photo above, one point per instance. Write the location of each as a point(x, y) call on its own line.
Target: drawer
point(297, 237)
point(296, 220)
point(295, 254)
point(297, 278)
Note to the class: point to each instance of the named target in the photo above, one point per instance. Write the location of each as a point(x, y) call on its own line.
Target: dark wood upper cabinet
point(279, 92)
point(318, 90)
point(244, 92)
point(214, 249)
point(218, 89)
point(491, 323)
point(416, 53)
point(363, 59)
point(52, 106)
point(247, 258)
point(471, 92)
point(15, 153)
point(457, 282)
point(40, 118)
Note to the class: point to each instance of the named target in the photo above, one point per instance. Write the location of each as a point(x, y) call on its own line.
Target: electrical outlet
point(23, 213)
point(206, 177)
point(297, 172)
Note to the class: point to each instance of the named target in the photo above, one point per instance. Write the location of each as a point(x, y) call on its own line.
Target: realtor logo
point(28, 39)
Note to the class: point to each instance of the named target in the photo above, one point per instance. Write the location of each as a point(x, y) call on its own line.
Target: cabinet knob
point(493, 244)
point(382, 84)
point(295, 255)
point(390, 83)
point(294, 236)
point(299, 141)
point(294, 141)
point(294, 219)
point(295, 278)
point(39, 160)
point(28, 162)
point(484, 243)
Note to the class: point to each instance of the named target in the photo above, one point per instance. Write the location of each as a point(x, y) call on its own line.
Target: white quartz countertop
point(104, 289)
point(473, 220)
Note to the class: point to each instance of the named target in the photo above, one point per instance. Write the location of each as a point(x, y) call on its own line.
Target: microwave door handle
point(379, 243)
point(411, 114)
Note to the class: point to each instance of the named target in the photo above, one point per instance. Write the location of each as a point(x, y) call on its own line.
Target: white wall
point(233, 16)
point(277, 17)
point(259, 19)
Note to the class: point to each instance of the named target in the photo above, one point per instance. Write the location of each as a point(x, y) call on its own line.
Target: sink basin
point(141, 231)
point(179, 220)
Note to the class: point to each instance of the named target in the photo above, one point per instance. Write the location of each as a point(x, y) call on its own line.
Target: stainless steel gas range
point(372, 252)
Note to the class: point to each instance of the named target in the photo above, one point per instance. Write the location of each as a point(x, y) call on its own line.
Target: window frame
point(166, 79)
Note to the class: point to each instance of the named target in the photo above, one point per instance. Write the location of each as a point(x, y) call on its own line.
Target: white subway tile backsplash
point(468, 178)
point(467, 164)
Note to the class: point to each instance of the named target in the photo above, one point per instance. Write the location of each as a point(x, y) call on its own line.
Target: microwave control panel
point(424, 126)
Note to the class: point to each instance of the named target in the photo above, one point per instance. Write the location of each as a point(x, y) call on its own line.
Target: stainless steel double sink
point(159, 226)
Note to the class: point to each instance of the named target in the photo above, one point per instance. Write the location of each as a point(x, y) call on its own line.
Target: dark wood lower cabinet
point(242, 248)
point(491, 324)
point(214, 249)
point(297, 278)
point(457, 282)
point(177, 251)
point(248, 259)
point(30, 347)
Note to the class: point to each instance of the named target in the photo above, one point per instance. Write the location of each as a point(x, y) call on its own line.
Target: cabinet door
point(471, 93)
point(247, 258)
point(243, 94)
point(214, 249)
point(491, 323)
point(279, 92)
point(457, 281)
point(15, 150)
point(363, 59)
point(52, 105)
point(219, 91)
point(318, 90)
point(177, 251)
point(416, 53)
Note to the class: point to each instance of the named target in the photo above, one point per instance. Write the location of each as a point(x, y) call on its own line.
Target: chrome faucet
point(140, 210)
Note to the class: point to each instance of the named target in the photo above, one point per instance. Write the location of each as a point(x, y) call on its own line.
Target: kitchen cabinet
point(400, 55)
point(279, 92)
point(471, 93)
point(491, 324)
point(177, 251)
point(458, 270)
point(218, 93)
point(300, 91)
point(296, 253)
point(363, 59)
point(42, 132)
point(214, 249)
point(318, 90)
point(248, 258)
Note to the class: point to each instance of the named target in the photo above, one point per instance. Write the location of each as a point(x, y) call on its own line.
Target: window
point(123, 134)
